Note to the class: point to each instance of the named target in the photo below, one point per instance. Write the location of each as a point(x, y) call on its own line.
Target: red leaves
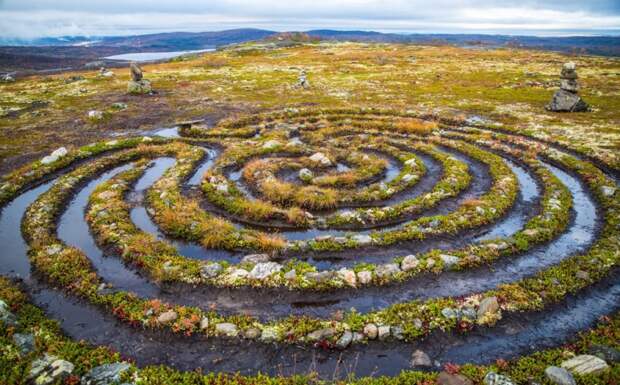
point(452, 368)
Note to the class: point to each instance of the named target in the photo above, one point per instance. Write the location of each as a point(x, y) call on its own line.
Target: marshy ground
point(415, 210)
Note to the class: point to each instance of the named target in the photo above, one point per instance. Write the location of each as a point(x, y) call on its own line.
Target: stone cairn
point(303, 80)
point(566, 99)
point(137, 85)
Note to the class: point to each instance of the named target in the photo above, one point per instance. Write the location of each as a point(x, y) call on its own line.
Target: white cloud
point(30, 19)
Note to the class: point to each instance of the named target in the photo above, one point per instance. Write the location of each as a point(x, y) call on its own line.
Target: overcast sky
point(53, 18)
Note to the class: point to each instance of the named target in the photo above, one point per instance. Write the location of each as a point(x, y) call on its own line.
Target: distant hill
point(75, 51)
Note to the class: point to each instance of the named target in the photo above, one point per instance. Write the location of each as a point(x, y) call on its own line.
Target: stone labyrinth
point(318, 239)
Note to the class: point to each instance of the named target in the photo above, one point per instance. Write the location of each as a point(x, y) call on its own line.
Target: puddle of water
point(14, 248)
point(74, 231)
point(171, 132)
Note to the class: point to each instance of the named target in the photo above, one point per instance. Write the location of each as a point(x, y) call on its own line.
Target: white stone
point(585, 364)
point(95, 115)
point(608, 191)
point(364, 277)
point(348, 276)
point(226, 329)
point(411, 162)
point(54, 156)
point(383, 332)
point(371, 331)
point(264, 270)
point(321, 158)
point(362, 239)
point(449, 260)
point(410, 262)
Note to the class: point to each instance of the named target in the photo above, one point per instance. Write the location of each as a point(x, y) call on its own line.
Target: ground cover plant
point(312, 235)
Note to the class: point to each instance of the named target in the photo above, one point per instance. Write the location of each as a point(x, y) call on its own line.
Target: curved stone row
point(116, 229)
point(399, 320)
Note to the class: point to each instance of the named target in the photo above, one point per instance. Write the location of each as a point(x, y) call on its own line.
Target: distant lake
point(151, 56)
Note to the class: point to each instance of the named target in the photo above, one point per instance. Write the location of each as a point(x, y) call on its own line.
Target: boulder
point(364, 277)
point(24, 341)
point(348, 276)
point(49, 370)
point(488, 305)
point(371, 331)
point(6, 316)
point(167, 317)
point(606, 353)
point(321, 159)
point(55, 155)
point(383, 332)
point(321, 334)
point(269, 334)
point(226, 329)
point(387, 270)
point(449, 260)
point(210, 270)
point(345, 339)
point(306, 175)
point(139, 88)
point(95, 115)
point(106, 374)
point(410, 262)
point(565, 101)
point(420, 359)
point(264, 270)
point(585, 364)
point(136, 72)
point(559, 376)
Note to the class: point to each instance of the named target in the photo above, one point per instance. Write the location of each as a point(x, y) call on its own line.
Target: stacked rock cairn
point(138, 85)
point(566, 99)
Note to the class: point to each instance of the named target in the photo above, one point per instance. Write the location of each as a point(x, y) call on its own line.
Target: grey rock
point(383, 332)
point(6, 316)
point(606, 353)
point(397, 332)
point(488, 305)
point(386, 270)
point(49, 369)
point(559, 376)
point(290, 275)
point(585, 364)
point(167, 317)
point(321, 334)
point(204, 323)
point(211, 270)
point(319, 276)
point(106, 374)
point(226, 329)
point(364, 277)
point(569, 85)
point(448, 312)
point(449, 260)
point(24, 341)
point(410, 262)
point(252, 333)
point(265, 270)
point(493, 378)
point(565, 101)
point(420, 359)
point(139, 88)
point(269, 334)
point(345, 339)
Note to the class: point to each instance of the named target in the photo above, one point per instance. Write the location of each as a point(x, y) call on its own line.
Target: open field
point(413, 216)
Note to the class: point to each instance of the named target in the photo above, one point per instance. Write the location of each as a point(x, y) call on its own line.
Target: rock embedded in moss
point(446, 378)
point(585, 364)
point(559, 376)
point(167, 317)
